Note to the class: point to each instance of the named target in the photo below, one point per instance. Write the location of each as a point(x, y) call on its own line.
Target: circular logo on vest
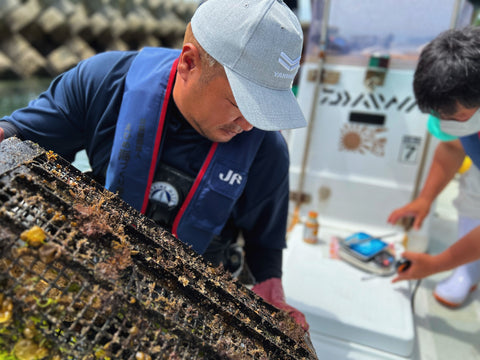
point(164, 193)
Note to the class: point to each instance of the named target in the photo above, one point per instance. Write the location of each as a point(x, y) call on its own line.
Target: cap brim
point(265, 108)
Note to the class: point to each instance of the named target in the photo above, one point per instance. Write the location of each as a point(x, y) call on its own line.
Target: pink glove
point(2, 134)
point(271, 290)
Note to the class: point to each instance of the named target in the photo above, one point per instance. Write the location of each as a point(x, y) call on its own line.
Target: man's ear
point(189, 61)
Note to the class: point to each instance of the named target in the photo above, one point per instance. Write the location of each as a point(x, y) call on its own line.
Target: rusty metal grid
point(107, 283)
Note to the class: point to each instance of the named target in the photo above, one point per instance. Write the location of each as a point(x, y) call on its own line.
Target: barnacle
point(49, 252)
point(142, 356)
point(183, 280)
point(6, 309)
point(26, 349)
point(35, 236)
point(51, 156)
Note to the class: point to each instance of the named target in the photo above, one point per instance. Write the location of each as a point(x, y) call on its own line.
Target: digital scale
point(349, 318)
point(368, 253)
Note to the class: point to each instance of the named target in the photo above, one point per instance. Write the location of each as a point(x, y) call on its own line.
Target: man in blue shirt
point(447, 85)
point(190, 138)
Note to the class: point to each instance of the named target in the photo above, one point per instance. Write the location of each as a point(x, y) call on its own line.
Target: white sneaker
point(454, 290)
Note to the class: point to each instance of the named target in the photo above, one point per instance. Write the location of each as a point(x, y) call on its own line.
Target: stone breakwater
point(48, 37)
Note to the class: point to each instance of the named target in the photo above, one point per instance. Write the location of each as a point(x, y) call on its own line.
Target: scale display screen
point(364, 244)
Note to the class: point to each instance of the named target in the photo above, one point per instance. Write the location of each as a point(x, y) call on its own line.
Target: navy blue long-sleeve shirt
point(79, 111)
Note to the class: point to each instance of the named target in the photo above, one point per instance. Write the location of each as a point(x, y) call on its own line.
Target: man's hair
point(448, 72)
point(210, 66)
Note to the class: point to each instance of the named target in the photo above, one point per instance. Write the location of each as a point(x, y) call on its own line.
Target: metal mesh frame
point(107, 283)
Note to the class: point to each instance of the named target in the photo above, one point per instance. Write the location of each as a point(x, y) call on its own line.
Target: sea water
point(15, 94)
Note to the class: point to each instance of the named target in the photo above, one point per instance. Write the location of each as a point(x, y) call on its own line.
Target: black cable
point(414, 292)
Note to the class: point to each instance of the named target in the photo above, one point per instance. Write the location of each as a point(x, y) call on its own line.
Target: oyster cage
point(85, 276)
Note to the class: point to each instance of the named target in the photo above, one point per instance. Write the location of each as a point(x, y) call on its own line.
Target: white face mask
point(462, 128)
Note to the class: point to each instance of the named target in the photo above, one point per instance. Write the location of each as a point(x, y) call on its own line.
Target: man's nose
point(244, 124)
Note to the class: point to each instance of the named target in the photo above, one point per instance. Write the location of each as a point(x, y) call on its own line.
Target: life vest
point(471, 145)
point(137, 148)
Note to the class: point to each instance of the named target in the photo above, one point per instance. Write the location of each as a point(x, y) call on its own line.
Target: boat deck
point(354, 315)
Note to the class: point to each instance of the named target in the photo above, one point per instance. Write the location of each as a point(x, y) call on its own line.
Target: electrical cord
point(414, 292)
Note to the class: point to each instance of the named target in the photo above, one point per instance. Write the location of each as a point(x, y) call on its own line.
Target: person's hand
point(2, 135)
point(418, 209)
point(422, 265)
point(271, 290)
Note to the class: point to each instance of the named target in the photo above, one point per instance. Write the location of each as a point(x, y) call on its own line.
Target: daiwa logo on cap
point(287, 63)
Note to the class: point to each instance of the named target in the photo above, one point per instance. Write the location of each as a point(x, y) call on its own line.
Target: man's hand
point(271, 290)
point(2, 135)
point(418, 208)
point(422, 265)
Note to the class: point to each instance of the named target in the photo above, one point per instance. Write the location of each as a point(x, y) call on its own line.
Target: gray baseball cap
point(259, 43)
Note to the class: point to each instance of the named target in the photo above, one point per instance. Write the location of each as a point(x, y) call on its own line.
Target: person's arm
point(261, 214)
point(465, 250)
point(447, 160)
point(7, 130)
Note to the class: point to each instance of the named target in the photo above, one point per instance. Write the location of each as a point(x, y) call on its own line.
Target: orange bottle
point(310, 233)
